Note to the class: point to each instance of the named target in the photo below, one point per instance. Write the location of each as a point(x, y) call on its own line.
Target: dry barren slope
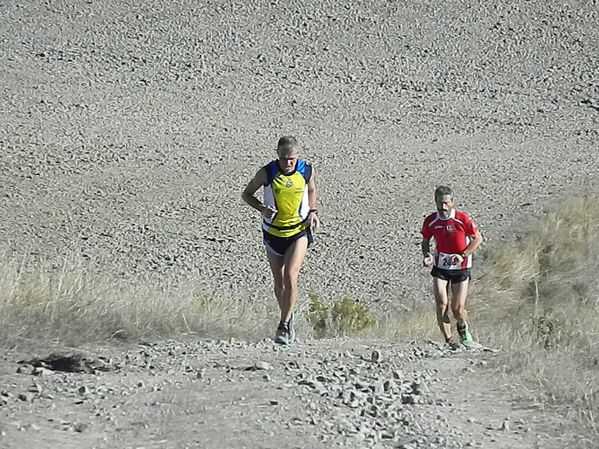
point(129, 129)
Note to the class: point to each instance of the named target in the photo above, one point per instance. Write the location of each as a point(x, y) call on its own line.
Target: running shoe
point(465, 334)
point(282, 336)
point(452, 343)
point(291, 328)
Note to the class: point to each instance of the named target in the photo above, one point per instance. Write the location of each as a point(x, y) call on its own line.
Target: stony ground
point(129, 129)
point(224, 394)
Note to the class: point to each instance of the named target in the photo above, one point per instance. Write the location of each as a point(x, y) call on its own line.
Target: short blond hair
point(287, 144)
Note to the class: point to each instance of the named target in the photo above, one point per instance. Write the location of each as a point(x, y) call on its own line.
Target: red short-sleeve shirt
point(451, 237)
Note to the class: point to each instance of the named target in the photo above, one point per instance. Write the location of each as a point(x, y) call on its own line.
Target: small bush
point(344, 316)
point(350, 316)
point(546, 330)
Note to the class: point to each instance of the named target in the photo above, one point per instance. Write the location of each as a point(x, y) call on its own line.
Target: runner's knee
point(441, 299)
point(442, 307)
point(458, 310)
point(291, 274)
point(290, 282)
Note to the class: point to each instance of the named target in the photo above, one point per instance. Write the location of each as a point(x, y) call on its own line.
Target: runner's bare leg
point(459, 292)
point(441, 301)
point(277, 265)
point(294, 257)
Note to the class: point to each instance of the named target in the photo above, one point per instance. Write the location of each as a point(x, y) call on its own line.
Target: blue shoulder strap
point(304, 169)
point(272, 169)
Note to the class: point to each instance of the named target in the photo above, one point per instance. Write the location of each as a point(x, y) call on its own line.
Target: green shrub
point(344, 316)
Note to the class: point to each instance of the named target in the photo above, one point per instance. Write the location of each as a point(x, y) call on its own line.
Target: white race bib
point(445, 262)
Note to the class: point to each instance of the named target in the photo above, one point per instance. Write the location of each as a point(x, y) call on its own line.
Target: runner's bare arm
point(475, 241)
point(260, 179)
point(312, 191)
point(427, 258)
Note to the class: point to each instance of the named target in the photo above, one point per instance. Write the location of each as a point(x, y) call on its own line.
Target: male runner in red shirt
point(456, 238)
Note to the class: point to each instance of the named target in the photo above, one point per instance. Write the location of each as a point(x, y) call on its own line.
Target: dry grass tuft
point(538, 301)
point(418, 323)
point(72, 307)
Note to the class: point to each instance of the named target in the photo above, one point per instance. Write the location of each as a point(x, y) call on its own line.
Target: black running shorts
point(453, 276)
point(280, 245)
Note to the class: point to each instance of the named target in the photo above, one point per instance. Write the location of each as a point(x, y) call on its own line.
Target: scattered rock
point(25, 369)
point(307, 382)
point(261, 365)
point(419, 387)
point(26, 397)
point(35, 388)
point(376, 356)
point(71, 363)
point(80, 427)
point(41, 371)
point(408, 399)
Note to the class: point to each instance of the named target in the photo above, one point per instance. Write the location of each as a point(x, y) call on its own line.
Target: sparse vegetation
point(72, 307)
point(345, 316)
point(537, 301)
point(417, 323)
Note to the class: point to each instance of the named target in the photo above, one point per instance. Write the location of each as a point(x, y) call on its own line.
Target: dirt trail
point(321, 393)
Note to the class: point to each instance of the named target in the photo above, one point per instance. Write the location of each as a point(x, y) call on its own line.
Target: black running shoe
point(282, 336)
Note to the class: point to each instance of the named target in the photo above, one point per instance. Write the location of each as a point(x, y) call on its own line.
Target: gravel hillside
point(130, 128)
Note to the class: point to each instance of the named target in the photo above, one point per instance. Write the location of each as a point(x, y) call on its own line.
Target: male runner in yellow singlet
point(288, 216)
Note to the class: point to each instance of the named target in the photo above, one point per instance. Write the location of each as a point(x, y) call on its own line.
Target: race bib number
point(445, 262)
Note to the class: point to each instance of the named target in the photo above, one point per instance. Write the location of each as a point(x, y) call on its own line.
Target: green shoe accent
point(465, 335)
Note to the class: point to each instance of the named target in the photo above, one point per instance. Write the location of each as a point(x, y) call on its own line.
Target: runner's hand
point(314, 222)
point(427, 260)
point(269, 212)
point(456, 259)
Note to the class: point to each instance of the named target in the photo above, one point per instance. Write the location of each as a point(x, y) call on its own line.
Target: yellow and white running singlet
point(289, 195)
